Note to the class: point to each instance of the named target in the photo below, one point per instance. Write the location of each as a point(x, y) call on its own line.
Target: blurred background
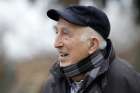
point(26, 39)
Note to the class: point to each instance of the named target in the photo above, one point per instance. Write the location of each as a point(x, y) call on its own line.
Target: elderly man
point(86, 60)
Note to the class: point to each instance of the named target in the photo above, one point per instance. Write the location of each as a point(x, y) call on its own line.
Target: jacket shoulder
point(123, 75)
point(123, 69)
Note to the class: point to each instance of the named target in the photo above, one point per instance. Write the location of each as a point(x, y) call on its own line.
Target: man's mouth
point(64, 54)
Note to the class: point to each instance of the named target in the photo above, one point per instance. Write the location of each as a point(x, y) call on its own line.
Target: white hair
point(87, 35)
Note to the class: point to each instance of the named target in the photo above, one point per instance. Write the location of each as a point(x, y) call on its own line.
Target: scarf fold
point(85, 65)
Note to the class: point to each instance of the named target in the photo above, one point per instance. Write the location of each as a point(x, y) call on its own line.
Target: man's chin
point(64, 63)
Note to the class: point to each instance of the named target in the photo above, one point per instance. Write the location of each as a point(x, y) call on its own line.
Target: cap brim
point(53, 14)
point(67, 15)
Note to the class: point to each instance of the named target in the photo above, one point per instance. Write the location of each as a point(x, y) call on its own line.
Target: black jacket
point(116, 77)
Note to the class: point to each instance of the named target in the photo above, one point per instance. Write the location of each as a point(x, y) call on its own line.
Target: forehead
point(64, 23)
point(72, 28)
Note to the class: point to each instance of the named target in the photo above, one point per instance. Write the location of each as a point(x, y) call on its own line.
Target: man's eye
point(56, 32)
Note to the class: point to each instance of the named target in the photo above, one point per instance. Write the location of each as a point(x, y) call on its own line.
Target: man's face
point(68, 42)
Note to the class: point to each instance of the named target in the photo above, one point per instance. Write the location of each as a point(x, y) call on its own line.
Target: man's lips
point(63, 54)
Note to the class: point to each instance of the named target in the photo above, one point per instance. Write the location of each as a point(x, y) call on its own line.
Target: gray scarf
point(85, 65)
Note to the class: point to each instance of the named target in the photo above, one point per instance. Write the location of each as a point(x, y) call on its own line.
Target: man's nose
point(58, 42)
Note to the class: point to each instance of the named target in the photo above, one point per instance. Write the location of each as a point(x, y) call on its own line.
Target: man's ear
point(93, 44)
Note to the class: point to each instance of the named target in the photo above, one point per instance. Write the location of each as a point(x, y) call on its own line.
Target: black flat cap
point(84, 16)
